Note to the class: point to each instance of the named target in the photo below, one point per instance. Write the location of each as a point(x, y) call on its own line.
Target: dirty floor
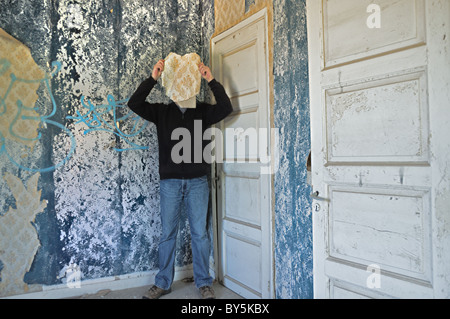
point(184, 289)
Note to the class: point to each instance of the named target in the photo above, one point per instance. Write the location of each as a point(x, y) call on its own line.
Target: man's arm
point(137, 102)
point(215, 113)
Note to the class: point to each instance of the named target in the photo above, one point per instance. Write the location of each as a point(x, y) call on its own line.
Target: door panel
point(242, 199)
point(241, 250)
point(242, 77)
point(387, 227)
point(345, 22)
point(374, 168)
point(243, 193)
point(379, 120)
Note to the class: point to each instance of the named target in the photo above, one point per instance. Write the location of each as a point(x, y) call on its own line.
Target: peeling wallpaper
point(94, 162)
point(18, 251)
point(293, 220)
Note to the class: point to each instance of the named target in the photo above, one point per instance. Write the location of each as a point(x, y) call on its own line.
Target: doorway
point(242, 188)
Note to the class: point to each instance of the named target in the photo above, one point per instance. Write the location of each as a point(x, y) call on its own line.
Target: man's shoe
point(207, 292)
point(155, 293)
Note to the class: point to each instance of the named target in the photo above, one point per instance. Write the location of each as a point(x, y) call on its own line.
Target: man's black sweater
point(169, 117)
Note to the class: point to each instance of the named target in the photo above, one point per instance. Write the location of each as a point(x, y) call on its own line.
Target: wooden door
point(379, 79)
point(243, 187)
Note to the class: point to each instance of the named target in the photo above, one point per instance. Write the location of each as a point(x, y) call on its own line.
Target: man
point(182, 182)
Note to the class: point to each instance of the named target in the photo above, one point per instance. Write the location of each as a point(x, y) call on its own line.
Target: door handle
point(315, 196)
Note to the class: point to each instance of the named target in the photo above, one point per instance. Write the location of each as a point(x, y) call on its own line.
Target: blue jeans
point(195, 194)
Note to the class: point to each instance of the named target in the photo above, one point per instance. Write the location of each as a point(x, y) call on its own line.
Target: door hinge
point(214, 181)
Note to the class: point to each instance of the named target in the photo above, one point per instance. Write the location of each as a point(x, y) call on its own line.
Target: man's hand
point(206, 72)
point(158, 69)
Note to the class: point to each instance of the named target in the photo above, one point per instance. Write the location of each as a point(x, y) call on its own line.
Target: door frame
point(260, 15)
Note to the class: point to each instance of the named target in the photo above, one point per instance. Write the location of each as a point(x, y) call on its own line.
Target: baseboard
point(92, 286)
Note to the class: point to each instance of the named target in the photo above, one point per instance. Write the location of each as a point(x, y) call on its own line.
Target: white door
point(380, 118)
point(243, 187)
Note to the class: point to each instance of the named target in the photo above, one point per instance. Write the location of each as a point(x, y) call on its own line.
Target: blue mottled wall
point(99, 179)
point(293, 221)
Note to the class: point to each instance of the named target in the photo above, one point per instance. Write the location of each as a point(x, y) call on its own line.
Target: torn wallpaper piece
point(18, 93)
point(181, 78)
point(19, 241)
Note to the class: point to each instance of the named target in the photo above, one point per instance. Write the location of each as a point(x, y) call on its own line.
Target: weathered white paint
point(398, 133)
point(380, 122)
point(239, 60)
point(402, 25)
